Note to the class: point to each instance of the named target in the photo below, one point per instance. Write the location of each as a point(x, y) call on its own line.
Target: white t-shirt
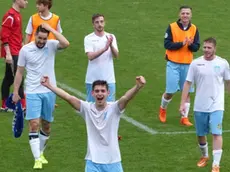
point(102, 132)
point(102, 67)
point(209, 77)
point(29, 28)
point(38, 63)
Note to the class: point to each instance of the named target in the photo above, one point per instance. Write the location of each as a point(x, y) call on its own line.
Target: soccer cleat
point(56, 105)
point(162, 115)
point(203, 162)
point(119, 138)
point(3, 109)
point(43, 159)
point(185, 121)
point(6, 109)
point(215, 168)
point(37, 164)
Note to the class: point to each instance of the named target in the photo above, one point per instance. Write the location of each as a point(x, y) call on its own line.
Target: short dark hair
point(211, 40)
point(185, 7)
point(96, 16)
point(41, 29)
point(45, 2)
point(100, 82)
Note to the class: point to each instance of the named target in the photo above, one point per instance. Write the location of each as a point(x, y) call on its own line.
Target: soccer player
point(209, 73)
point(181, 40)
point(43, 16)
point(38, 59)
point(101, 48)
point(102, 122)
point(11, 42)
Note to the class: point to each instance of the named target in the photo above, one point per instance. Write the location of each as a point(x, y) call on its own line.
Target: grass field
point(139, 27)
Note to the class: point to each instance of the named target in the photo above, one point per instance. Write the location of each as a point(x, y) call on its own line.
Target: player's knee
point(34, 125)
point(217, 136)
point(168, 96)
point(46, 127)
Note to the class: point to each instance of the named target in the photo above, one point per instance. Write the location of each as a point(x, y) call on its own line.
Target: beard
point(39, 45)
point(100, 29)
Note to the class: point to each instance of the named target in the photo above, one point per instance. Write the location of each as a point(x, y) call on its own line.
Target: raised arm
point(129, 95)
point(63, 42)
point(73, 101)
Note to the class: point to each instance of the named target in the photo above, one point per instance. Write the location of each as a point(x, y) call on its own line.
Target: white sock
point(43, 137)
point(187, 107)
point(204, 150)
point(164, 102)
point(35, 147)
point(216, 157)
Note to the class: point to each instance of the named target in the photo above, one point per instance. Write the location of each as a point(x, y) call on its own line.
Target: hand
point(109, 42)
point(190, 41)
point(47, 26)
point(140, 81)
point(110, 37)
point(182, 109)
point(45, 81)
point(9, 59)
point(16, 97)
point(185, 41)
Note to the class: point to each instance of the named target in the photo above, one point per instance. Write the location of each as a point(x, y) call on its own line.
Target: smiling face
point(41, 39)
point(100, 93)
point(209, 50)
point(185, 15)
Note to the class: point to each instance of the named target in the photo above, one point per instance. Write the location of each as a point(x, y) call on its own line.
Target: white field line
point(129, 119)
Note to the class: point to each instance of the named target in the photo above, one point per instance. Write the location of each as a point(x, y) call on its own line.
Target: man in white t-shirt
point(100, 47)
point(38, 58)
point(43, 16)
point(102, 123)
point(209, 74)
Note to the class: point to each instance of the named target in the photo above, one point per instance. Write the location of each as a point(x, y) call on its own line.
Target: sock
point(34, 145)
point(216, 157)
point(204, 149)
point(187, 106)
point(164, 102)
point(23, 101)
point(3, 103)
point(43, 137)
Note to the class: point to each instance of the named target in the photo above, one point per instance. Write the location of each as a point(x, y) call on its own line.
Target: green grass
point(139, 27)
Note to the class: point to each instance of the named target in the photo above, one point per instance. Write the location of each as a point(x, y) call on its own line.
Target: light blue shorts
point(176, 76)
point(206, 122)
point(94, 167)
point(110, 98)
point(40, 106)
